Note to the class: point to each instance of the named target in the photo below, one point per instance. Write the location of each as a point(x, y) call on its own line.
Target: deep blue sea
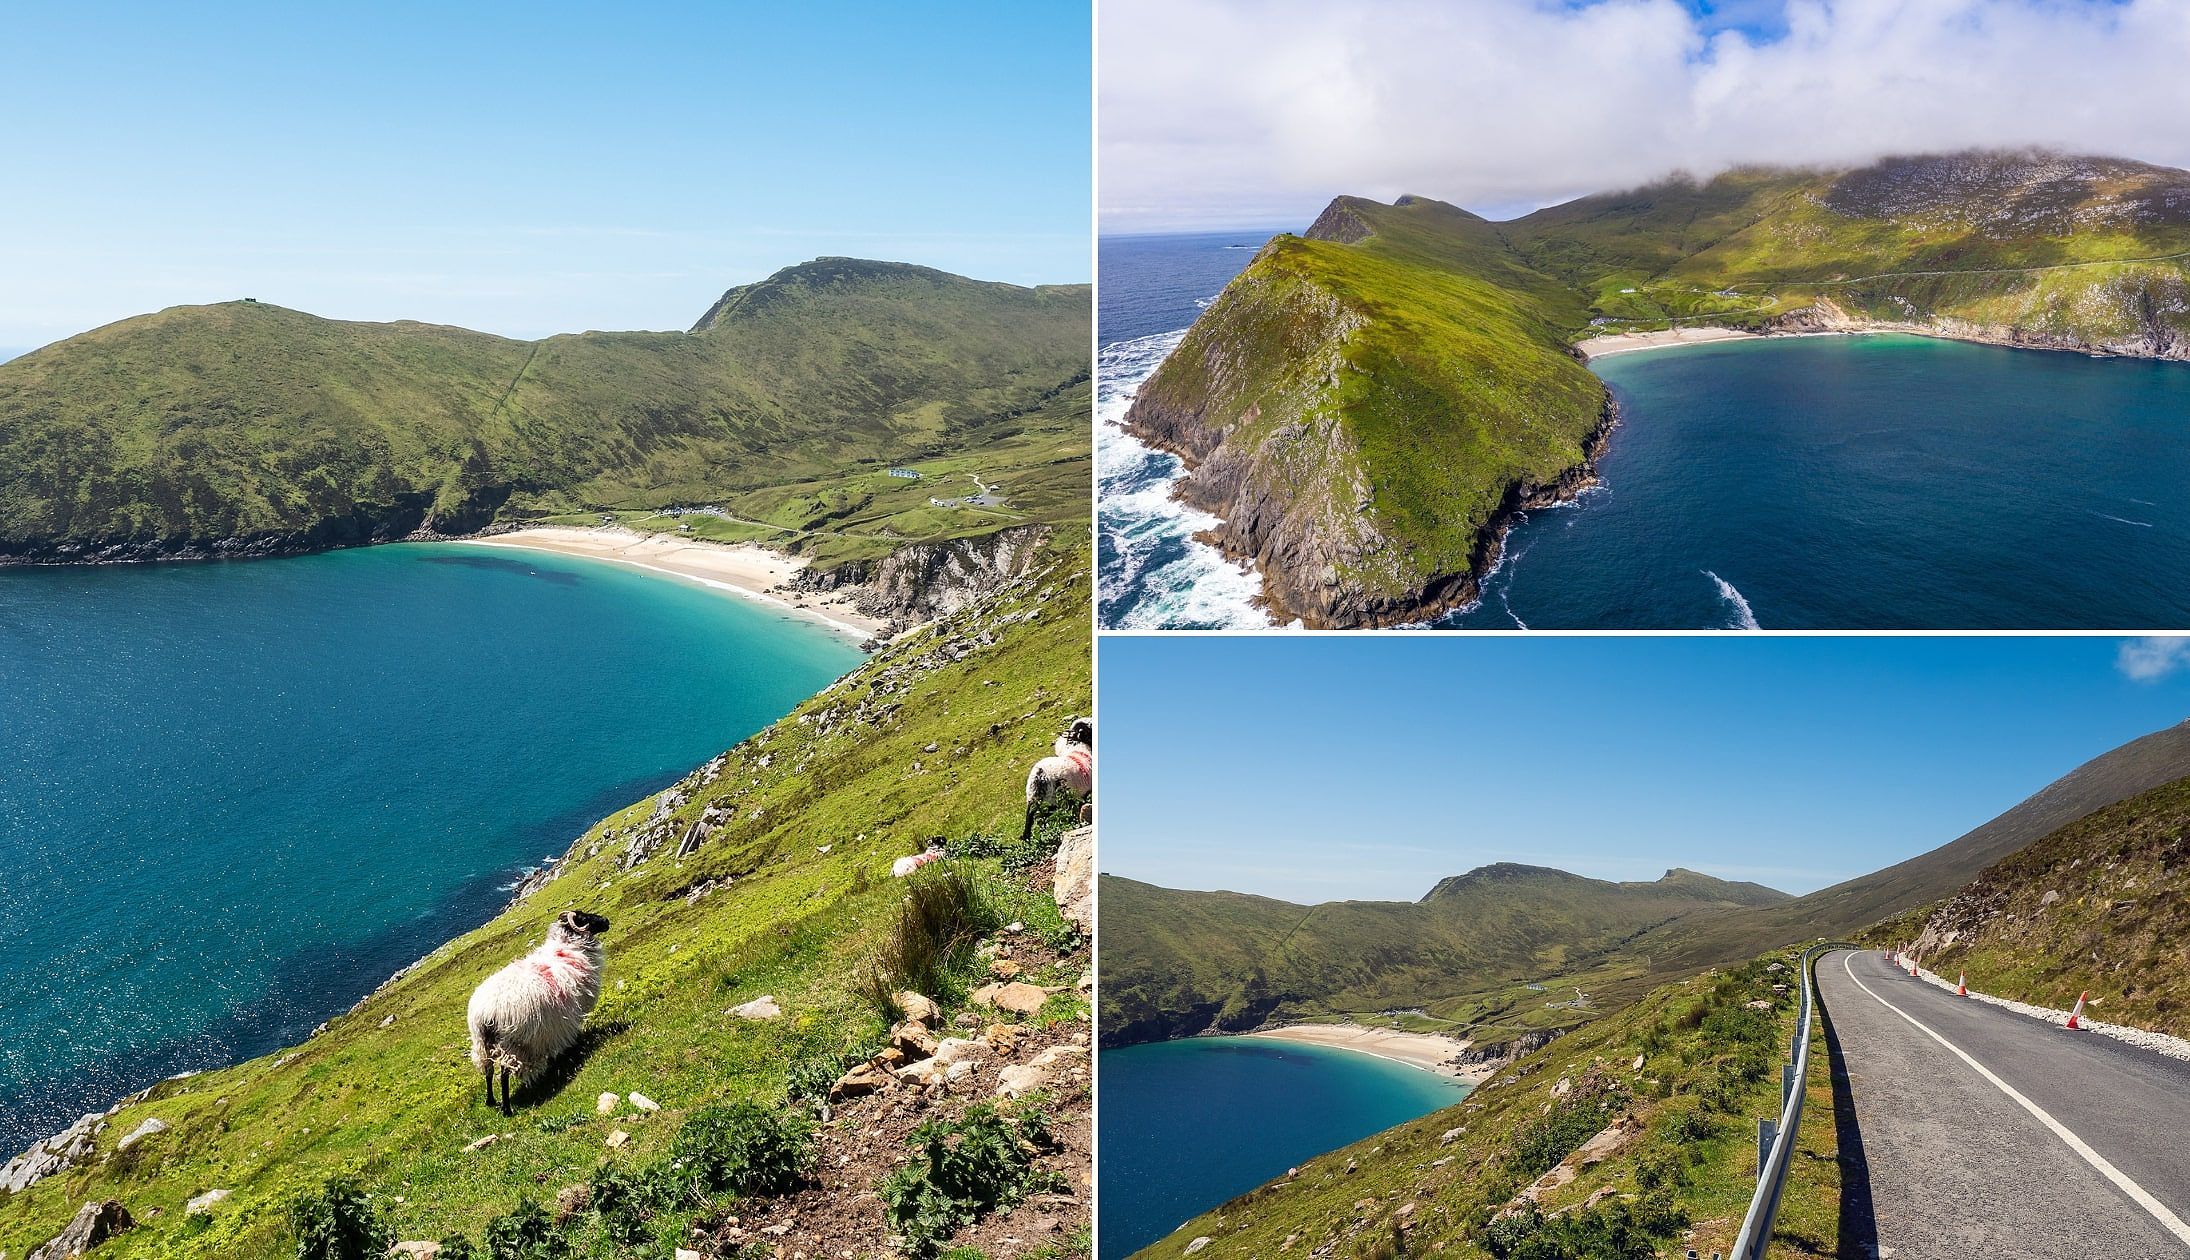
point(1871, 482)
point(1149, 570)
point(1208, 1118)
point(235, 797)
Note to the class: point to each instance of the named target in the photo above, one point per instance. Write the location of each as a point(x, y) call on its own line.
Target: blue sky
point(527, 168)
point(1319, 768)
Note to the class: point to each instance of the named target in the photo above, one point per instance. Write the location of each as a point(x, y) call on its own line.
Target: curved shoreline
point(1428, 1052)
point(740, 569)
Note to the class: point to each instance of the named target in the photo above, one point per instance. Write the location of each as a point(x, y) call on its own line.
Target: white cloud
point(1250, 112)
point(2153, 658)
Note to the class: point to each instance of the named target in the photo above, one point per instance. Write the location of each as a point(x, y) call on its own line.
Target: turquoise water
point(1186, 1125)
point(1876, 482)
point(235, 797)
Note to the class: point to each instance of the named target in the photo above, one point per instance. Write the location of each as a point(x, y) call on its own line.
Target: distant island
point(1369, 405)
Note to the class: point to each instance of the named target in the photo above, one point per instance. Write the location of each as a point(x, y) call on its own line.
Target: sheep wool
point(525, 1015)
point(1069, 772)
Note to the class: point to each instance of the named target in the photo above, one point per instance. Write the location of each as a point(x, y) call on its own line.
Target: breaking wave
point(1743, 617)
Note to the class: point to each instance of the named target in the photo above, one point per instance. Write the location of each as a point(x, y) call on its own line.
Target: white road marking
point(2172, 1222)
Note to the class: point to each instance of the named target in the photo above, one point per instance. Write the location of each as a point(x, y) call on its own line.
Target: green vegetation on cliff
point(2102, 904)
point(1366, 405)
point(269, 429)
point(1460, 960)
point(1633, 1137)
point(765, 872)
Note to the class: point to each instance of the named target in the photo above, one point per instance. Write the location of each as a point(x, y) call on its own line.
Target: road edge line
point(2171, 1222)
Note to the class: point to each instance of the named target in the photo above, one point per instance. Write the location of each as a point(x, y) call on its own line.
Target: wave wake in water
point(1743, 617)
point(1152, 573)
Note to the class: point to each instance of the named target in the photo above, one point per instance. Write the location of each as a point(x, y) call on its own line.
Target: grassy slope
point(846, 773)
point(2119, 923)
point(1177, 962)
point(1709, 1069)
point(203, 423)
point(1379, 390)
point(1397, 388)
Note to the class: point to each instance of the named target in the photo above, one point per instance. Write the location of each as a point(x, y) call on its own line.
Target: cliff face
point(923, 581)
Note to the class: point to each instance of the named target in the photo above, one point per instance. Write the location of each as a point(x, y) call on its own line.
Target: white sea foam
point(2123, 519)
point(1157, 576)
point(1744, 617)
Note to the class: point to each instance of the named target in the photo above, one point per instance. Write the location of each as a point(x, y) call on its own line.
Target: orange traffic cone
point(1961, 984)
point(2076, 1017)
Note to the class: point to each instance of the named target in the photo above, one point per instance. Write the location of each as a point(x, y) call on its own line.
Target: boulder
point(149, 1128)
point(959, 1049)
point(758, 1008)
point(641, 1101)
point(56, 1154)
point(204, 1203)
point(605, 1104)
point(93, 1224)
point(421, 1249)
point(914, 1040)
point(1018, 997)
point(1003, 969)
point(1197, 1244)
point(1020, 1079)
point(919, 1009)
point(863, 1079)
point(617, 1139)
point(1074, 886)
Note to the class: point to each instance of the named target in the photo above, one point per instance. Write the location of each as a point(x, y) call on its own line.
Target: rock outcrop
point(94, 1223)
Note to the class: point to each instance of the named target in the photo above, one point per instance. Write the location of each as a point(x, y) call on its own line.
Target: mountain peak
point(819, 276)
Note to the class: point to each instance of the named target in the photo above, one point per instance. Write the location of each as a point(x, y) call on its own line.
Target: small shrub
point(339, 1223)
point(527, 1233)
point(962, 1169)
point(1619, 1230)
point(457, 1247)
point(943, 915)
point(746, 1148)
point(1538, 1148)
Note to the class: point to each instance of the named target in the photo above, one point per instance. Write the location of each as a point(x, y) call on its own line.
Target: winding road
point(1968, 1130)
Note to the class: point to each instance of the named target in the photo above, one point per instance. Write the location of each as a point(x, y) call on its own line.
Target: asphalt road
point(1958, 1167)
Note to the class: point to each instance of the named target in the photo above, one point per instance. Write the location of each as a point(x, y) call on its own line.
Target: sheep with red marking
point(1069, 772)
point(525, 1015)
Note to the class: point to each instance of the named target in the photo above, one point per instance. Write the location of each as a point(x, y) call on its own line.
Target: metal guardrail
point(1776, 1139)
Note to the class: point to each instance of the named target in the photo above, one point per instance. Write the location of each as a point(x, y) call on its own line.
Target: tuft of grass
point(943, 915)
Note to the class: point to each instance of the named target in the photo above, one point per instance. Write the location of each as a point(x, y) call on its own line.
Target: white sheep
point(1071, 772)
point(529, 1012)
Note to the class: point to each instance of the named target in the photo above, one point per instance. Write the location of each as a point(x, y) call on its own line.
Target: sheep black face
point(1081, 732)
point(576, 925)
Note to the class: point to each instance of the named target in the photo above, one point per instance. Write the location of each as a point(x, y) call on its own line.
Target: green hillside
point(785, 891)
point(1461, 959)
point(245, 428)
point(1633, 1137)
point(2102, 904)
point(1367, 405)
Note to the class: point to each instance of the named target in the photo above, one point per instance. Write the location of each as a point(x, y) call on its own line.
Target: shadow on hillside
point(1858, 1226)
point(547, 1085)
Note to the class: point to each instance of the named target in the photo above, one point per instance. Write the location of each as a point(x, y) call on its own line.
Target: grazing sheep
point(1071, 772)
point(532, 1010)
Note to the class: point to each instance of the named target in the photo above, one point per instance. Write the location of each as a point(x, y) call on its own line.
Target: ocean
point(1150, 573)
point(235, 797)
point(1873, 482)
point(1208, 1118)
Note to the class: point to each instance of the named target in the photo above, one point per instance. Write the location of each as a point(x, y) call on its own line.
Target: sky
point(527, 168)
point(1255, 113)
point(1332, 767)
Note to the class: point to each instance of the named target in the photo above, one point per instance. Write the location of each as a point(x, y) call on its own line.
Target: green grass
point(2117, 922)
point(1176, 963)
point(823, 800)
point(246, 420)
point(1681, 1178)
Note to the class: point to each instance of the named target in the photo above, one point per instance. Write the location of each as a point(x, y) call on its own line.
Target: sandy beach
point(1430, 1051)
point(1621, 343)
point(753, 572)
